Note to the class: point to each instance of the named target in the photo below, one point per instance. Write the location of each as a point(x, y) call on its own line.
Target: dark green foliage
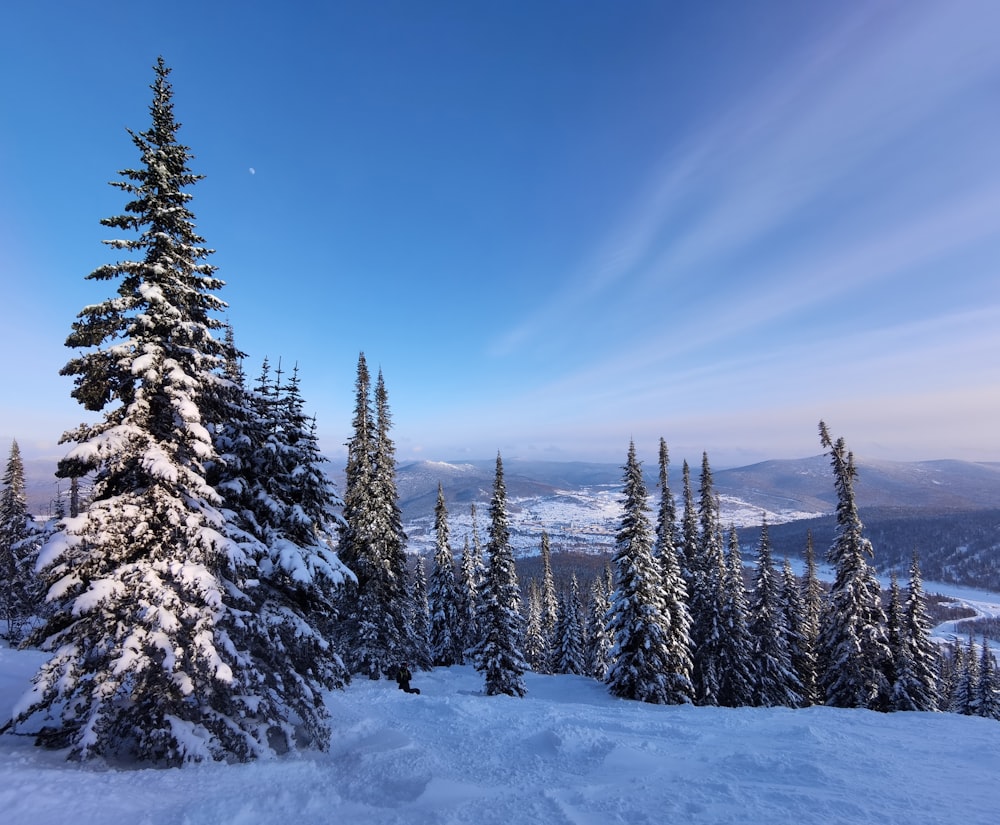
point(569, 651)
point(158, 652)
point(499, 654)
point(599, 640)
point(707, 595)
point(735, 662)
point(20, 588)
point(641, 655)
point(852, 649)
point(673, 587)
point(446, 643)
point(372, 541)
point(419, 619)
point(549, 610)
point(775, 682)
point(799, 644)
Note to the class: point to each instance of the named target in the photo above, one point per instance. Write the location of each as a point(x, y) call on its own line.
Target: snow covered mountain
point(577, 503)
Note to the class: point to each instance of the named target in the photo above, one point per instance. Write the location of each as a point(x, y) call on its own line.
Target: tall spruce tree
point(799, 647)
point(916, 659)
point(950, 666)
point(852, 649)
point(672, 586)
point(735, 652)
point(775, 682)
point(688, 551)
point(445, 632)
point(155, 642)
point(898, 649)
point(707, 600)
point(418, 619)
point(667, 534)
point(641, 653)
point(372, 540)
point(387, 520)
point(500, 653)
point(278, 507)
point(599, 640)
point(20, 588)
point(569, 632)
point(965, 696)
point(534, 642)
point(471, 582)
point(550, 609)
point(355, 541)
point(988, 688)
point(813, 598)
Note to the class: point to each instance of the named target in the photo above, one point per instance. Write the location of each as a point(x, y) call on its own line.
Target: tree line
point(213, 587)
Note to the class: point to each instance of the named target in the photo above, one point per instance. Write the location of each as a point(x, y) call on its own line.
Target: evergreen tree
point(569, 633)
point(499, 654)
point(355, 541)
point(550, 610)
point(965, 697)
point(707, 595)
point(735, 679)
point(599, 641)
point(294, 504)
point(988, 699)
point(775, 682)
point(812, 612)
point(667, 537)
point(534, 642)
point(156, 646)
point(387, 520)
point(445, 633)
point(898, 649)
point(473, 577)
point(640, 657)
point(950, 667)
point(419, 620)
point(688, 555)
point(852, 647)
point(673, 588)
point(278, 507)
point(365, 627)
point(20, 588)
point(916, 656)
point(372, 541)
point(799, 648)
point(468, 608)
point(310, 498)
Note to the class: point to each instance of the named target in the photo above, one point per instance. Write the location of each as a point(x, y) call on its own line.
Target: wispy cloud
point(742, 209)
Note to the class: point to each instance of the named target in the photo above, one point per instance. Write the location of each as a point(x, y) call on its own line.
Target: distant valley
point(949, 511)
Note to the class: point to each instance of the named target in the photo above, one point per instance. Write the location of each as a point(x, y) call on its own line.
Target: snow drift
point(566, 753)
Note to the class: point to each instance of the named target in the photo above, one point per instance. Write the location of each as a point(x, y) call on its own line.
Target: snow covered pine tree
point(154, 627)
point(852, 649)
point(641, 656)
point(500, 652)
point(443, 599)
point(19, 540)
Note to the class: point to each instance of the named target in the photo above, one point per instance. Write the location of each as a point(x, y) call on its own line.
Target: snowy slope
point(566, 753)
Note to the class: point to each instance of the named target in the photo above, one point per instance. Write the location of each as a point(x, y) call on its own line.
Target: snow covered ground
point(566, 753)
point(585, 519)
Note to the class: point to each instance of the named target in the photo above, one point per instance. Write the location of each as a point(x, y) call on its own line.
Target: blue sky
point(555, 226)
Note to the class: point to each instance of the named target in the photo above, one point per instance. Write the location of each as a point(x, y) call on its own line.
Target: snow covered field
point(584, 519)
point(566, 753)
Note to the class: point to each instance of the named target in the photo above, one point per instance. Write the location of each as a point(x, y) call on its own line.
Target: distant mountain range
point(577, 503)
